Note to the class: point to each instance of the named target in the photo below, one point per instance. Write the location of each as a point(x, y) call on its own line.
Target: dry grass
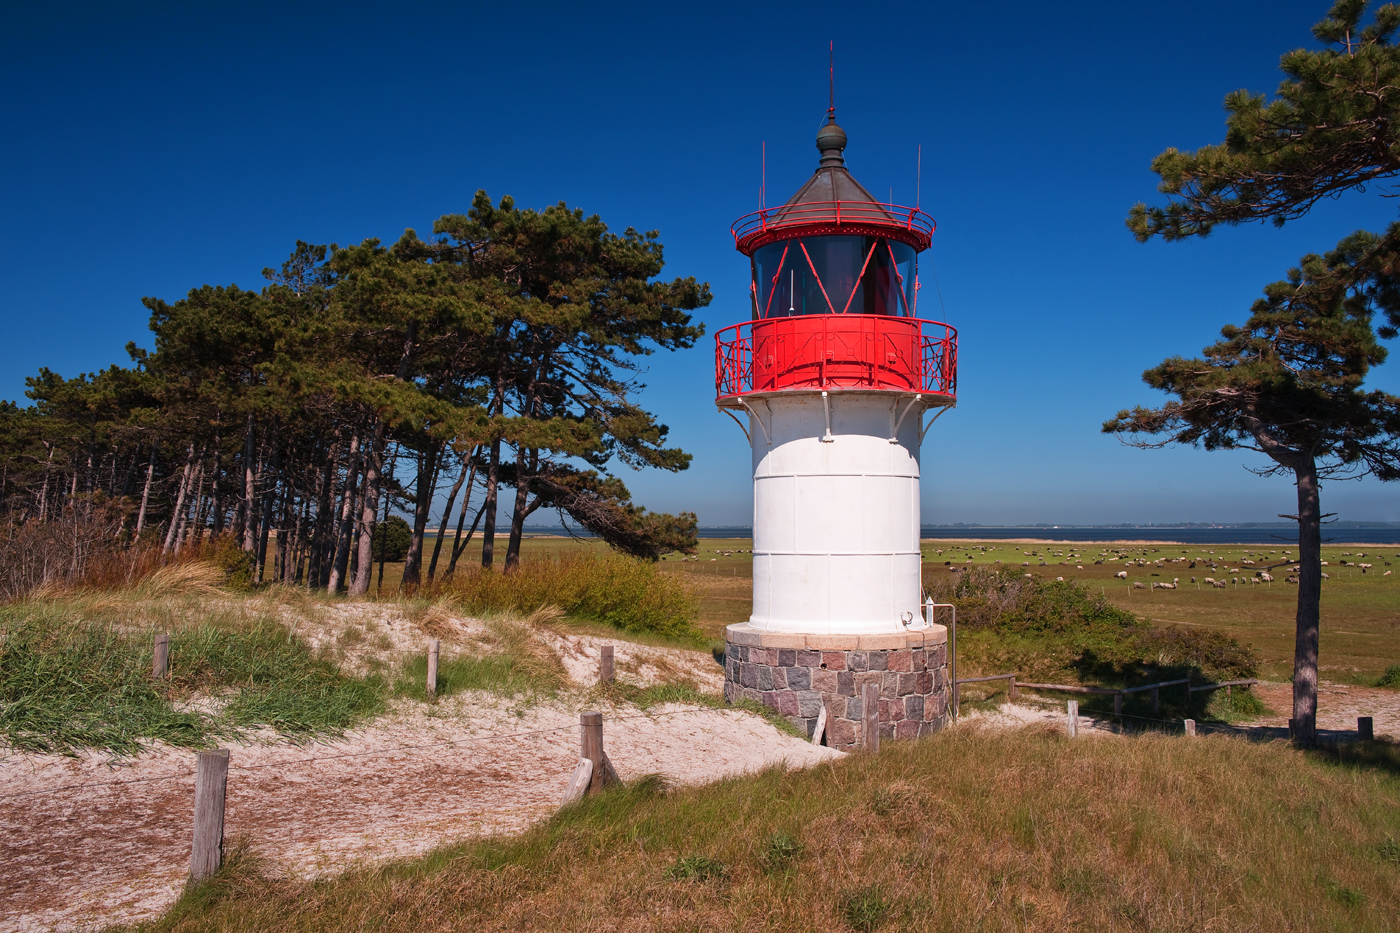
point(972, 830)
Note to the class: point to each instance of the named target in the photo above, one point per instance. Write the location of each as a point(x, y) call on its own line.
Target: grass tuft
point(1391, 677)
point(696, 868)
point(865, 909)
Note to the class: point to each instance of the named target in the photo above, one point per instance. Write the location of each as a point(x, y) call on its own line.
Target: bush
point(1047, 630)
point(1215, 653)
point(391, 539)
point(625, 592)
point(1391, 677)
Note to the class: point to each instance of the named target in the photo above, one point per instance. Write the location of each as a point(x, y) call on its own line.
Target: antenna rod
point(831, 64)
point(763, 184)
point(919, 177)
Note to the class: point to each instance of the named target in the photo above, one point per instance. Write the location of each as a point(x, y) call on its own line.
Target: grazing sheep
point(1326, 577)
point(1266, 577)
point(1139, 586)
point(1292, 579)
point(1220, 584)
point(1210, 580)
point(1164, 586)
point(1122, 574)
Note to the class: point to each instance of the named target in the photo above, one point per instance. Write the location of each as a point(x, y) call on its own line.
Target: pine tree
point(1289, 383)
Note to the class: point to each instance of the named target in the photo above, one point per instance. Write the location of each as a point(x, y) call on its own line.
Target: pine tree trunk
point(216, 502)
point(369, 512)
point(177, 514)
point(488, 534)
point(519, 513)
point(248, 505)
point(318, 571)
point(428, 469)
point(265, 523)
point(493, 468)
point(447, 512)
point(190, 513)
point(48, 467)
point(347, 502)
point(145, 492)
point(1309, 606)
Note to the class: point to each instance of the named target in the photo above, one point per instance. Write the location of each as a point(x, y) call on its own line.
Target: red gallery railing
point(821, 218)
point(837, 351)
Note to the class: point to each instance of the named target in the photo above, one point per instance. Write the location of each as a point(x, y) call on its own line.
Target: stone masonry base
point(798, 674)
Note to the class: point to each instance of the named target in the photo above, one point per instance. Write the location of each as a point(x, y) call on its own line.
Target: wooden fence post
point(1190, 726)
point(1072, 718)
point(210, 787)
point(591, 747)
point(434, 647)
point(606, 667)
point(160, 665)
point(1118, 706)
point(1156, 701)
point(870, 717)
point(1011, 693)
point(1365, 728)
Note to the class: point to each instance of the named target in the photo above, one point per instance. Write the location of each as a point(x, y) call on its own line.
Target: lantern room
point(834, 295)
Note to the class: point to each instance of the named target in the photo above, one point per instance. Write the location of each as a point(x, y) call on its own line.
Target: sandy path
point(75, 856)
point(1338, 706)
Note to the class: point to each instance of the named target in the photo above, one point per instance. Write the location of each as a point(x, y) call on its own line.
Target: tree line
point(501, 356)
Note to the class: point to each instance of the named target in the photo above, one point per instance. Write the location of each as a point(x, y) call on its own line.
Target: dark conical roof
point(833, 203)
point(831, 181)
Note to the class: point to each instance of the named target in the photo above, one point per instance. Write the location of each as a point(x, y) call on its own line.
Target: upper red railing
point(837, 351)
point(827, 218)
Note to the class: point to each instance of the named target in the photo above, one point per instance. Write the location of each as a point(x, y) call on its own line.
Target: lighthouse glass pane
point(832, 275)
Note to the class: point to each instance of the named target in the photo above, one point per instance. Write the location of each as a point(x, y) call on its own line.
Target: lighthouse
point(835, 380)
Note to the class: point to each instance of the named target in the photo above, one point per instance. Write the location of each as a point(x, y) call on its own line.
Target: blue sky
point(151, 148)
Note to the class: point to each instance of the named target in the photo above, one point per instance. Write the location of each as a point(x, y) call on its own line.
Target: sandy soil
point(92, 840)
point(1338, 706)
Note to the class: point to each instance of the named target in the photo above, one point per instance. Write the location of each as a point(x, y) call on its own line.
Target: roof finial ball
point(831, 141)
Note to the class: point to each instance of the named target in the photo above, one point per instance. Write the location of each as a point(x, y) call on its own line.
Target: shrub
point(1391, 677)
point(1046, 630)
point(1215, 653)
point(391, 539)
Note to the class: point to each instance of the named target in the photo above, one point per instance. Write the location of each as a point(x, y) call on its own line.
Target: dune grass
point(622, 592)
point(516, 662)
point(75, 672)
point(969, 830)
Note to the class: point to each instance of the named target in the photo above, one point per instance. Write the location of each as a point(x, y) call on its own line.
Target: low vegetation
point(970, 829)
point(623, 592)
point(76, 673)
point(1058, 631)
point(75, 664)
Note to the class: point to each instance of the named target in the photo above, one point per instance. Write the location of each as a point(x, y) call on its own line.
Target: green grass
point(969, 830)
point(71, 678)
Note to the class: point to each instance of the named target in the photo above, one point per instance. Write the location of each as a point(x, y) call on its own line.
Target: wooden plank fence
point(1014, 686)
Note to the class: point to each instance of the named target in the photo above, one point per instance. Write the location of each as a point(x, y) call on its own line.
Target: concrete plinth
point(799, 674)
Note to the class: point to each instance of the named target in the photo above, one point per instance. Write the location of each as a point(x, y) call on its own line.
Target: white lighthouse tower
point(833, 376)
